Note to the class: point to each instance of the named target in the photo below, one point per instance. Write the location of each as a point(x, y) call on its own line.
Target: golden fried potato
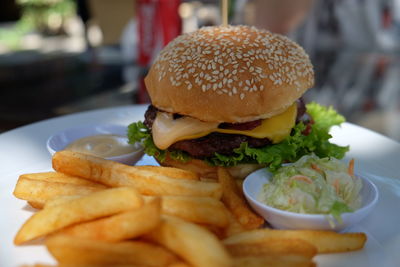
point(60, 178)
point(191, 242)
point(273, 260)
point(75, 251)
point(82, 209)
point(324, 241)
point(122, 226)
point(116, 174)
point(274, 246)
point(201, 210)
point(41, 191)
point(233, 198)
point(170, 172)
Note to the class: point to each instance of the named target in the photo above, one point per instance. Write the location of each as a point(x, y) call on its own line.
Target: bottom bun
point(206, 171)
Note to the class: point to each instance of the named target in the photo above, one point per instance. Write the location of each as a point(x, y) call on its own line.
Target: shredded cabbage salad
point(314, 185)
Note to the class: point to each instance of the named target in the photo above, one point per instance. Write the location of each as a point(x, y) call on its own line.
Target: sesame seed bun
point(206, 171)
point(229, 74)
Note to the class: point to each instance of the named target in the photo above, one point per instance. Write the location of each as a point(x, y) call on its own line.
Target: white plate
point(24, 150)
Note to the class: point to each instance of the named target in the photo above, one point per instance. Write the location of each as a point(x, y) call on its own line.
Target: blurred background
point(64, 56)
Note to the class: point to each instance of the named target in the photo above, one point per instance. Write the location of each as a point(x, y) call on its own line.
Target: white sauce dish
point(282, 219)
point(105, 140)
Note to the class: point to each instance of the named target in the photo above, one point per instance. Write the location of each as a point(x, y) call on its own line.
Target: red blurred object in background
point(159, 23)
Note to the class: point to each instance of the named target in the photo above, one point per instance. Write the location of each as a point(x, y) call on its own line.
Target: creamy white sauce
point(102, 145)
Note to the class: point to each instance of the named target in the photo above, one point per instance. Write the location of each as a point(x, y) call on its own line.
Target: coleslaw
point(314, 185)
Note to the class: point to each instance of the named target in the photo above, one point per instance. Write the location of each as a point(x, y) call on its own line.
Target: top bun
point(229, 74)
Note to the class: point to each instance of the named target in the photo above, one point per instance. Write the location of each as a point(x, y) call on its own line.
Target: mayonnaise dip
point(102, 145)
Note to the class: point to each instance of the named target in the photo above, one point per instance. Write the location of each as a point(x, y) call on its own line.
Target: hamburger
point(232, 96)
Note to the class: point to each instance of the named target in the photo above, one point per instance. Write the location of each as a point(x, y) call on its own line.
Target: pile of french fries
point(95, 212)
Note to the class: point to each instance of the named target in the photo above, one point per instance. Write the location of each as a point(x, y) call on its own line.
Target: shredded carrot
point(351, 167)
point(315, 167)
point(301, 178)
point(336, 185)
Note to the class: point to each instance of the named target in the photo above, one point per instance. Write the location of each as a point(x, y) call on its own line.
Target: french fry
point(36, 204)
point(85, 208)
point(201, 210)
point(116, 174)
point(208, 180)
point(239, 183)
point(236, 203)
point(126, 225)
point(96, 265)
point(60, 178)
point(217, 231)
point(179, 264)
point(39, 265)
point(274, 246)
point(273, 260)
point(60, 200)
point(40, 191)
point(234, 227)
point(324, 241)
point(191, 242)
point(72, 250)
point(82, 265)
point(170, 172)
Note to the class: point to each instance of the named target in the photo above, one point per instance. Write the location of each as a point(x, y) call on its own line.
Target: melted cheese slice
point(167, 131)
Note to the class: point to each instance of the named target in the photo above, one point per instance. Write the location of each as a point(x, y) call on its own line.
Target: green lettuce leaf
point(138, 132)
point(289, 150)
point(338, 208)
